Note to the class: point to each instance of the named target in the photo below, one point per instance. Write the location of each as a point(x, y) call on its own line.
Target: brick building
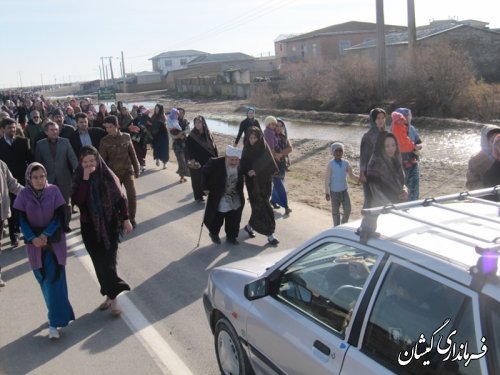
point(328, 43)
point(473, 37)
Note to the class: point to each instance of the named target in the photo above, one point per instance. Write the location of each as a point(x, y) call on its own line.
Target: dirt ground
point(305, 181)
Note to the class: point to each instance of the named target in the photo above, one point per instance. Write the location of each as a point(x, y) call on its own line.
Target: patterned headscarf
point(27, 176)
point(103, 196)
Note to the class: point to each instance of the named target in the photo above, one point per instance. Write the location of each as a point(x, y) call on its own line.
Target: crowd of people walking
point(57, 155)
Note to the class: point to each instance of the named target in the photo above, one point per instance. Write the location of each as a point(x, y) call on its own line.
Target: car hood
point(259, 264)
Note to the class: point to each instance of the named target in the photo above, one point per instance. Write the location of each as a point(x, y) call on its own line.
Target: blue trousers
point(279, 195)
point(52, 280)
point(413, 182)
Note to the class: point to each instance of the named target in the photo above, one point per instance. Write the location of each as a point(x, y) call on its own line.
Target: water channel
point(450, 146)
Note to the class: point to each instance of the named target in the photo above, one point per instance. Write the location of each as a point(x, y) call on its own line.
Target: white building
point(174, 60)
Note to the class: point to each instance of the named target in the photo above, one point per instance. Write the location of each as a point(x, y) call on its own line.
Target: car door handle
point(322, 347)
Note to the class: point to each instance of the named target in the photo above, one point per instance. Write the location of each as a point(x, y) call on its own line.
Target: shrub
point(355, 89)
point(438, 80)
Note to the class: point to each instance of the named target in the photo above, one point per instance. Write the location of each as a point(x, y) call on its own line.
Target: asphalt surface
point(163, 328)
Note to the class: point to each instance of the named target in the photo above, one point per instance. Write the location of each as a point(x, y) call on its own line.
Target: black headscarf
point(103, 197)
point(258, 156)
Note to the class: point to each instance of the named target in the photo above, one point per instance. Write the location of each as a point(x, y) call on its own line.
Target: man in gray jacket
point(8, 184)
point(57, 156)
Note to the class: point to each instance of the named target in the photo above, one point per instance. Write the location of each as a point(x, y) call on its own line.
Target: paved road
point(163, 329)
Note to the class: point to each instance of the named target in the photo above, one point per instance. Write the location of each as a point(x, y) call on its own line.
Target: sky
point(60, 41)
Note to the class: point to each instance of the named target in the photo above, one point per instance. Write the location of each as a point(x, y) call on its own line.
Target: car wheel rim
point(228, 355)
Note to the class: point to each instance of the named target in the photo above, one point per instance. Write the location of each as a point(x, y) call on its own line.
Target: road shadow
point(189, 275)
point(159, 190)
point(93, 332)
point(9, 257)
point(166, 217)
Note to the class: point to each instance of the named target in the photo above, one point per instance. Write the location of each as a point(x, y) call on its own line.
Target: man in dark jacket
point(15, 152)
point(85, 136)
point(34, 129)
point(222, 181)
point(65, 130)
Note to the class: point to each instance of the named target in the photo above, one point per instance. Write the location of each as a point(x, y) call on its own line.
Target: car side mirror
point(257, 289)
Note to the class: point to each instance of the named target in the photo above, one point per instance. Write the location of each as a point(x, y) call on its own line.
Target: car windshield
point(327, 282)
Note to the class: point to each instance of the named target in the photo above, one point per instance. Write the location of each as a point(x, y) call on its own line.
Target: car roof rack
point(489, 250)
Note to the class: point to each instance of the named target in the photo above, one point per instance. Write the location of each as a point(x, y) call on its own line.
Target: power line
point(235, 22)
point(238, 21)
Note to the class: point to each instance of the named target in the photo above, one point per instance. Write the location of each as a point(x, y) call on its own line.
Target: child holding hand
point(337, 171)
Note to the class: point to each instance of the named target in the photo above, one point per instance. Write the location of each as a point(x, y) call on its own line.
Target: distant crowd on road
point(58, 155)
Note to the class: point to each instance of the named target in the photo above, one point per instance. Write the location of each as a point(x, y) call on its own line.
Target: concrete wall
point(149, 78)
point(146, 87)
point(212, 87)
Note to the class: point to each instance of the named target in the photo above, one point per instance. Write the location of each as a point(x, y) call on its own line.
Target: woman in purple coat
point(41, 213)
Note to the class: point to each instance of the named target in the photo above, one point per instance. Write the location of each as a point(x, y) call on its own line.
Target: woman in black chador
point(103, 217)
point(259, 167)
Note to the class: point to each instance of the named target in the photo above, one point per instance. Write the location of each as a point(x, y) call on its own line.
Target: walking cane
point(201, 227)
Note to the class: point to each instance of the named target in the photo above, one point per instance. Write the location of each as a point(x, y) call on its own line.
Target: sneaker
point(249, 230)
point(215, 238)
point(164, 166)
point(288, 210)
point(53, 333)
point(2, 283)
point(134, 224)
point(275, 206)
point(157, 162)
point(68, 230)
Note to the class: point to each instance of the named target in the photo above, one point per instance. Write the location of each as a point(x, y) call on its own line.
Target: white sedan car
point(420, 297)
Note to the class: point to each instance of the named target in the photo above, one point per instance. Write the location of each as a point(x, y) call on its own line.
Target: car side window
point(494, 341)
point(417, 325)
point(326, 283)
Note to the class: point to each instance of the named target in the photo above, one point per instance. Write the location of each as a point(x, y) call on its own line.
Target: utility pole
point(412, 29)
point(100, 73)
point(381, 67)
point(20, 79)
point(103, 71)
point(41, 79)
point(123, 75)
point(412, 32)
point(111, 69)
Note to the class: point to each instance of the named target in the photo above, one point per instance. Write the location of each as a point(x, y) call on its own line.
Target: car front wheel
point(231, 357)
